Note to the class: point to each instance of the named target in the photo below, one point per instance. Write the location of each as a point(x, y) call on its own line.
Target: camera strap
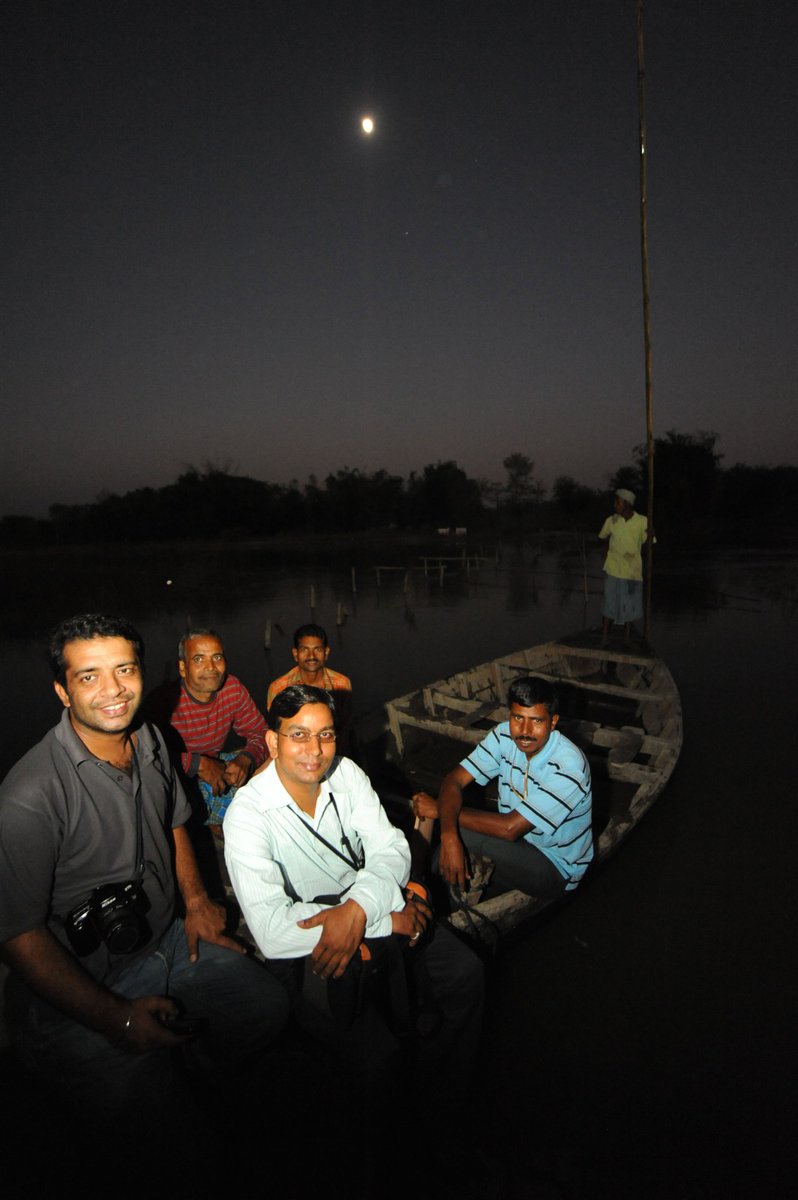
point(355, 861)
point(139, 818)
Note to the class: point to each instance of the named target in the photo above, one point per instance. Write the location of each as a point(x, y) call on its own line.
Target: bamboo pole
point(641, 116)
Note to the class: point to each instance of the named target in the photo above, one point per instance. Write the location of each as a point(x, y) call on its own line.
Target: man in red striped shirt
point(202, 710)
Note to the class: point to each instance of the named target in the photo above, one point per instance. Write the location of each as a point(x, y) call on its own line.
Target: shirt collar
point(542, 756)
point(271, 793)
point(202, 703)
point(74, 747)
point(80, 753)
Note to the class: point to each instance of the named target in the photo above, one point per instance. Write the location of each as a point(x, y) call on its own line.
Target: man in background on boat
point(199, 712)
point(318, 868)
point(93, 851)
point(311, 651)
point(540, 839)
point(625, 533)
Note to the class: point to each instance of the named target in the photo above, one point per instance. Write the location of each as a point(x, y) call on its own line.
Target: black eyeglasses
point(304, 735)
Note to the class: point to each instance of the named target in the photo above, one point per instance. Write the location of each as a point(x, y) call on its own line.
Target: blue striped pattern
point(558, 801)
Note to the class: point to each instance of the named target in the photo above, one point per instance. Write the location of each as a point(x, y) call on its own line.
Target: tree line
point(692, 493)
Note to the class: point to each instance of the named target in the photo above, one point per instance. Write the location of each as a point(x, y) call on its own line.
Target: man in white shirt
point(317, 867)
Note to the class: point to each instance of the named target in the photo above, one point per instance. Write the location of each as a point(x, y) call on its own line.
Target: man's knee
point(237, 993)
point(454, 970)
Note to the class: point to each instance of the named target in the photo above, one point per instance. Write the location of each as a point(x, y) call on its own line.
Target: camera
point(113, 914)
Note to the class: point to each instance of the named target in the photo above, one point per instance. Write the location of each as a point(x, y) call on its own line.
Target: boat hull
point(620, 705)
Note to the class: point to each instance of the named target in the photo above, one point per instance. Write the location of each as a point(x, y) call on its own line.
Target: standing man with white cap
point(625, 532)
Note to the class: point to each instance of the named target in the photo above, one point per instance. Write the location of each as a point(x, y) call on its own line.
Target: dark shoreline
point(698, 538)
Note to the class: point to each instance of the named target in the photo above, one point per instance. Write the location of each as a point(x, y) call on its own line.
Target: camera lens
point(119, 909)
point(124, 936)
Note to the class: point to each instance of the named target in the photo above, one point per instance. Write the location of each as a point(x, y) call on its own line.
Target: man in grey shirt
point(93, 850)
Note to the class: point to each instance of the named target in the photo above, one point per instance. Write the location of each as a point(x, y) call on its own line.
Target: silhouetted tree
point(491, 491)
point(686, 475)
point(210, 501)
point(24, 531)
point(386, 494)
point(629, 478)
point(443, 496)
point(73, 524)
point(574, 499)
point(357, 501)
point(313, 498)
point(521, 484)
point(748, 492)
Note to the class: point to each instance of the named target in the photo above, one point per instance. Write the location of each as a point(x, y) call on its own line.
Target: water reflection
point(687, 590)
point(389, 634)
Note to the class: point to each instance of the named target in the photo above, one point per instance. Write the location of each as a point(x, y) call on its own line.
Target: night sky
point(207, 260)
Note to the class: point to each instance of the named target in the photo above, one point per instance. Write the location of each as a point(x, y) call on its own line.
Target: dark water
point(641, 1042)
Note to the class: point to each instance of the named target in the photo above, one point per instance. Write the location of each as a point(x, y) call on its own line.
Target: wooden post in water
point(641, 116)
point(267, 636)
point(354, 582)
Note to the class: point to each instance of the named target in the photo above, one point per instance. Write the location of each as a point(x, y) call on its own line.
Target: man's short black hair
point(288, 703)
point(84, 627)
point(193, 633)
point(316, 631)
point(532, 690)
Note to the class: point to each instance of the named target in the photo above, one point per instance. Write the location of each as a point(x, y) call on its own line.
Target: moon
point(367, 125)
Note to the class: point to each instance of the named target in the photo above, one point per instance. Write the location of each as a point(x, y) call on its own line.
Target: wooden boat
point(619, 704)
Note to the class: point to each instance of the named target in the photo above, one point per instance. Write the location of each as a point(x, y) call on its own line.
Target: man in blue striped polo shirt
point(540, 840)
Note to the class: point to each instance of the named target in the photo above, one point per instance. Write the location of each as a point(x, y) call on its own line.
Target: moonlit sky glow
point(206, 260)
